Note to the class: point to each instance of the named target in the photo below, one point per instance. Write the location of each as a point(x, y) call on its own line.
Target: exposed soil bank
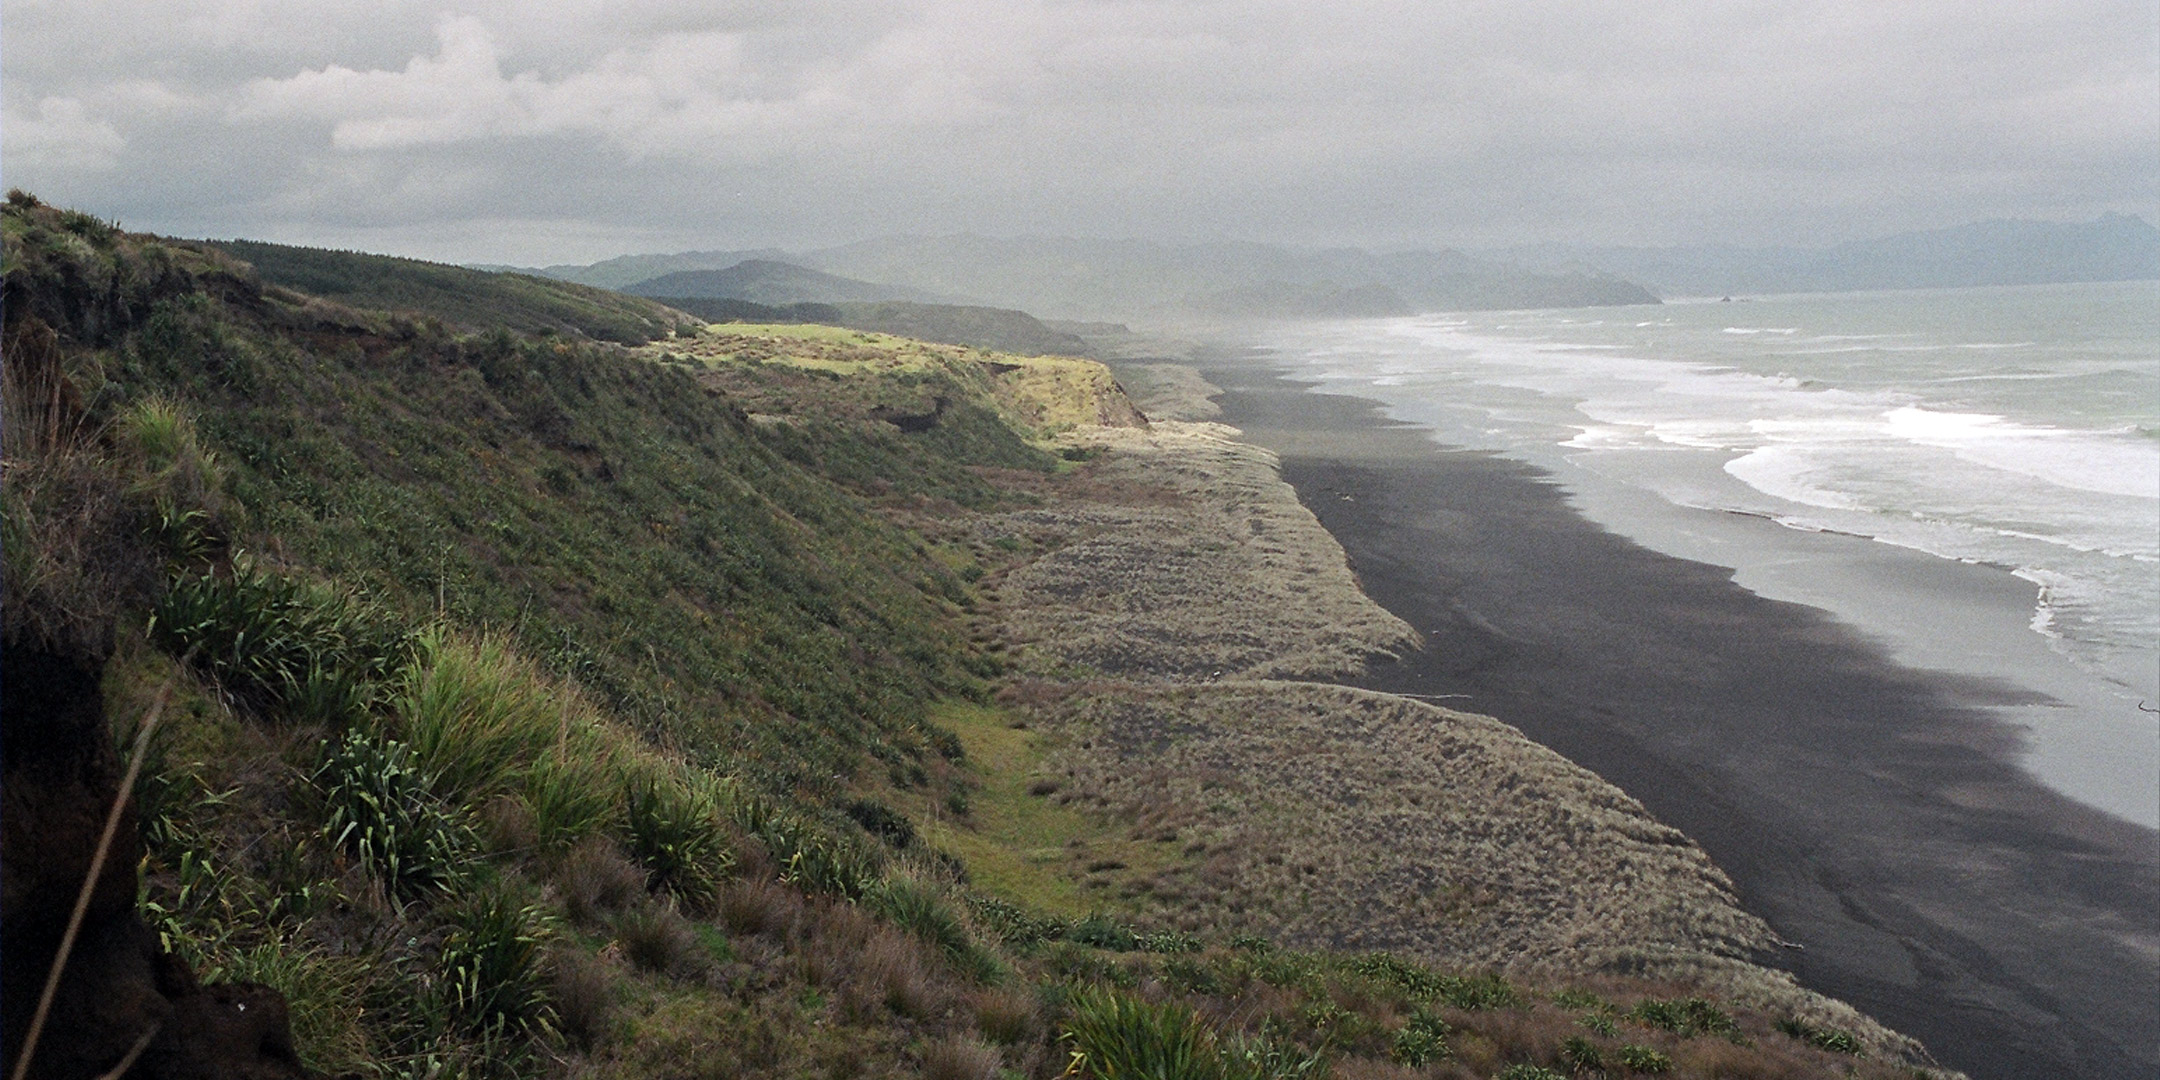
point(1868, 811)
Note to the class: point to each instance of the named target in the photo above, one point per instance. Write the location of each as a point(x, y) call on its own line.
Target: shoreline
point(1869, 811)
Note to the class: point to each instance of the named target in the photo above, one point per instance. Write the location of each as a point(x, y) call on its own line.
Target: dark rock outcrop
point(59, 773)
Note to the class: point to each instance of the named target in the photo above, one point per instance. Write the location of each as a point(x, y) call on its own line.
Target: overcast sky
point(571, 130)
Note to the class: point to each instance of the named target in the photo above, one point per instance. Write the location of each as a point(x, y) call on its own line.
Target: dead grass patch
point(960, 1059)
point(1182, 555)
point(597, 880)
point(658, 939)
point(582, 991)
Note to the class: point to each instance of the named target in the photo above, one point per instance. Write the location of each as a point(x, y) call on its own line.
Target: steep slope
point(536, 707)
point(467, 299)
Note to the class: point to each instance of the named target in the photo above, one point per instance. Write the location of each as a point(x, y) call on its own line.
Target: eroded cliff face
point(59, 774)
point(75, 562)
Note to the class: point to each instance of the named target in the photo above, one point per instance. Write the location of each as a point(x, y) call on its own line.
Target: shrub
point(1422, 1040)
point(280, 644)
point(1284, 969)
point(381, 808)
point(816, 861)
point(674, 833)
point(1269, 1057)
point(1831, 1039)
point(1475, 992)
point(1168, 941)
point(1190, 976)
point(1523, 1071)
point(882, 821)
point(1642, 1059)
point(1581, 1054)
point(1685, 1017)
point(1014, 925)
point(1116, 1037)
point(1103, 932)
point(488, 968)
point(1389, 969)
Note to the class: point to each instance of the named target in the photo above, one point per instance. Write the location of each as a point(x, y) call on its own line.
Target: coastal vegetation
point(757, 701)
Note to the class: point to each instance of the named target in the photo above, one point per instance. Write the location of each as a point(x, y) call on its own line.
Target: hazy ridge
point(2114, 247)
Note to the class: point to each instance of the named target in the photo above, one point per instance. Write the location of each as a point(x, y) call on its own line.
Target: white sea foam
point(2106, 462)
point(1882, 417)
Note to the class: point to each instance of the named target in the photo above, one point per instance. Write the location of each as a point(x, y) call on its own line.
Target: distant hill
point(1000, 329)
point(2114, 247)
point(461, 296)
point(728, 309)
point(1114, 279)
point(769, 281)
point(625, 270)
point(1084, 279)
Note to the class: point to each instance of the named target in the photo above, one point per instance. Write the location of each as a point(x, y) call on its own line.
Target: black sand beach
point(1870, 813)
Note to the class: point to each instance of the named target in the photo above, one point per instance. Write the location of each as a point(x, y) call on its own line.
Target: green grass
point(607, 514)
point(1024, 847)
point(587, 606)
point(470, 299)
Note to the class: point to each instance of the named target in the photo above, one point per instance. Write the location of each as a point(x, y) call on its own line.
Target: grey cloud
point(577, 129)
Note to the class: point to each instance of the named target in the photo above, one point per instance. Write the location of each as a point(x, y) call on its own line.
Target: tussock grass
point(477, 713)
point(960, 1059)
point(658, 939)
point(596, 880)
point(1182, 556)
point(581, 989)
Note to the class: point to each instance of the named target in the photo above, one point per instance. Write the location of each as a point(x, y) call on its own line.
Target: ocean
point(1798, 439)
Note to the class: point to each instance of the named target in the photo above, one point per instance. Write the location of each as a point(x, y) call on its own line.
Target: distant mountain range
point(2115, 247)
point(1118, 279)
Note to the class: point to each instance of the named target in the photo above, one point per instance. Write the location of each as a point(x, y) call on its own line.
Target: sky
point(548, 131)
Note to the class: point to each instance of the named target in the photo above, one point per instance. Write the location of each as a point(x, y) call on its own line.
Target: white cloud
point(741, 122)
point(60, 135)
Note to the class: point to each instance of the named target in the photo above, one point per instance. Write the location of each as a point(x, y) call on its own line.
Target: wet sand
point(1871, 813)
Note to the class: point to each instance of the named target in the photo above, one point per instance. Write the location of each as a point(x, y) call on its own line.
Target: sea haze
point(2015, 430)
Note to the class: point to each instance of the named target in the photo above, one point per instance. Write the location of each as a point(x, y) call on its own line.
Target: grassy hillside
point(517, 705)
point(466, 299)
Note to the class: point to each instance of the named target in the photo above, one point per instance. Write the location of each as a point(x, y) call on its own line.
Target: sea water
point(2009, 428)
